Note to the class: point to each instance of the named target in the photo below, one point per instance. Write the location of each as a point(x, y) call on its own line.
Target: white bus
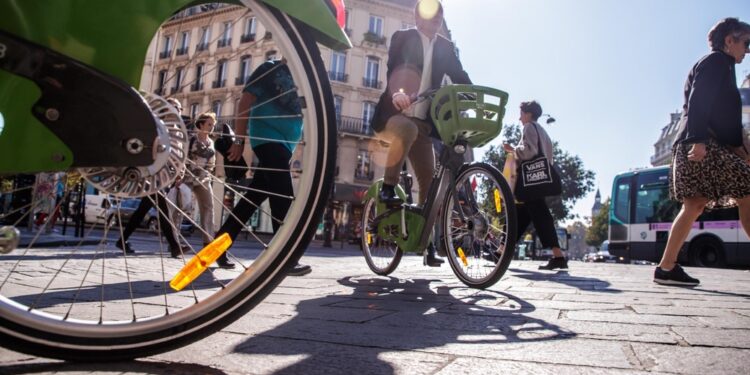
point(641, 214)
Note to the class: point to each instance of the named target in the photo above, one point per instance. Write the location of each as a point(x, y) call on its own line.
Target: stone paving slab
point(342, 319)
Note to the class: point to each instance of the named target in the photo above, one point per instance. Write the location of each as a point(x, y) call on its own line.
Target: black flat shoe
point(223, 262)
point(124, 246)
point(554, 263)
point(299, 270)
point(387, 196)
point(430, 259)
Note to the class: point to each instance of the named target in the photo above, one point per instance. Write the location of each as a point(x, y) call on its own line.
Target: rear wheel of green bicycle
point(382, 255)
point(91, 302)
point(478, 219)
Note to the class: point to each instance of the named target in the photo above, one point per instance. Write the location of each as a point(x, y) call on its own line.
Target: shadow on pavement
point(404, 315)
point(129, 367)
point(563, 277)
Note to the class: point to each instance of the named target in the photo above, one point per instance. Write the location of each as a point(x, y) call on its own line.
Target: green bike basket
point(468, 112)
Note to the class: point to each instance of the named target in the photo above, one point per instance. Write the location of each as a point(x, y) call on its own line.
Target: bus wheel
point(707, 252)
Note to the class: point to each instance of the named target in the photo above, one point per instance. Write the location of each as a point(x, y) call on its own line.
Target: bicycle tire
point(481, 257)
point(393, 253)
point(46, 334)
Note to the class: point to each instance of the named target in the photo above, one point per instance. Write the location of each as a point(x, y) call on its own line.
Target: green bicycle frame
point(112, 36)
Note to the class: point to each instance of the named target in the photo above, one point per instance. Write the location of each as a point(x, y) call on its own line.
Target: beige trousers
point(409, 136)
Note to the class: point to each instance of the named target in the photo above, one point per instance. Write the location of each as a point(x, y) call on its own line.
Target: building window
point(177, 80)
point(338, 102)
point(167, 50)
point(405, 25)
point(198, 85)
point(338, 67)
point(271, 55)
point(363, 166)
point(368, 109)
point(376, 25)
point(226, 35)
point(249, 33)
point(194, 110)
point(162, 81)
point(244, 71)
point(371, 73)
point(216, 107)
point(221, 74)
point(184, 43)
point(205, 37)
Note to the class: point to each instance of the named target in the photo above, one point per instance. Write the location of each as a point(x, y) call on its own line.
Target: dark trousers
point(140, 212)
point(538, 213)
point(270, 155)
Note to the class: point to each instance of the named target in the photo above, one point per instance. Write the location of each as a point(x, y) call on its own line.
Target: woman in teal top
point(275, 122)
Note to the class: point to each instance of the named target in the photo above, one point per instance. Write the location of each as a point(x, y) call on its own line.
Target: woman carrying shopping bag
point(536, 179)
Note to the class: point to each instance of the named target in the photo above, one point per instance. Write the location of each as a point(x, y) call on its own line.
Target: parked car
point(152, 223)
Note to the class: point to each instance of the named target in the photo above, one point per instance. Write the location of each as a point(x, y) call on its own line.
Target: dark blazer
point(713, 107)
point(405, 62)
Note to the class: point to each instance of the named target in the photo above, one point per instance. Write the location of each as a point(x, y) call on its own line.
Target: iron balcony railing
point(247, 38)
point(338, 76)
point(371, 83)
point(354, 125)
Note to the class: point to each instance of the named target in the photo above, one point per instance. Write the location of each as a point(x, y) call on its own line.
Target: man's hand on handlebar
point(401, 101)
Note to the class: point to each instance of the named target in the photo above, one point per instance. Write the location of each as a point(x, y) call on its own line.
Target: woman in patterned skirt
point(709, 164)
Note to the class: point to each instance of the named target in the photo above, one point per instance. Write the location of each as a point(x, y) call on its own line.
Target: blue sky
point(609, 71)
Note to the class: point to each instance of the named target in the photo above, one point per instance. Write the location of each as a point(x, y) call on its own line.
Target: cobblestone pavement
point(342, 319)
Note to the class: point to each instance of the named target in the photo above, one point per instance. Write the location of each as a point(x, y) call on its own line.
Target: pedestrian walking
point(709, 161)
point(200, 168)
point(533, 152)
point(275, 128)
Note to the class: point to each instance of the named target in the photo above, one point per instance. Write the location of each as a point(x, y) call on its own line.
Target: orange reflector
point(498, 201)
point(463, 257)
point(200, 262)
point(369, 239)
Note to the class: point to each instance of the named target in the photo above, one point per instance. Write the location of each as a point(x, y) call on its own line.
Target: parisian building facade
point(203, 56)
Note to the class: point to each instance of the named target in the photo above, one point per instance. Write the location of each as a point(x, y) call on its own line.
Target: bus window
point(620, 210)
point(652, 203)
point(622, 200)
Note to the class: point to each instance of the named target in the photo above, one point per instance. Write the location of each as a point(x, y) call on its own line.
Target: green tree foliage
point(599, 229)
point(577, 181)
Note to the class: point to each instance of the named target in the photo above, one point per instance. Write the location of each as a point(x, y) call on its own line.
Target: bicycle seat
point(471, 113)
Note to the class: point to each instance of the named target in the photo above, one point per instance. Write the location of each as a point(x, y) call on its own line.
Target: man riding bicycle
point(418, 60)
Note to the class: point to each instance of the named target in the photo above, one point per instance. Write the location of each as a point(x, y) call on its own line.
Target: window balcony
point(268, 36)
point(197, 86)
point(175, 90)
point(247, 38)
point(218, 84)
point(374, 38)
point(159, 91)
point(224, 42)
point(354, 125)
point(240, 81)
point(181, 51)
point(372, 83)
point(338, 76)
point(165, 54)
point(201, 47)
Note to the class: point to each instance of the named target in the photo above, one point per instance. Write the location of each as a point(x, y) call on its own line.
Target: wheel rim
point(475, 230)
point(379, 252)
point(152, 316)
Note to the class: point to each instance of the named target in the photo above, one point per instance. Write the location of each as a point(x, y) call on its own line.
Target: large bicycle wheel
point(381, 254)
point(90, 301)
point(478, 219)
